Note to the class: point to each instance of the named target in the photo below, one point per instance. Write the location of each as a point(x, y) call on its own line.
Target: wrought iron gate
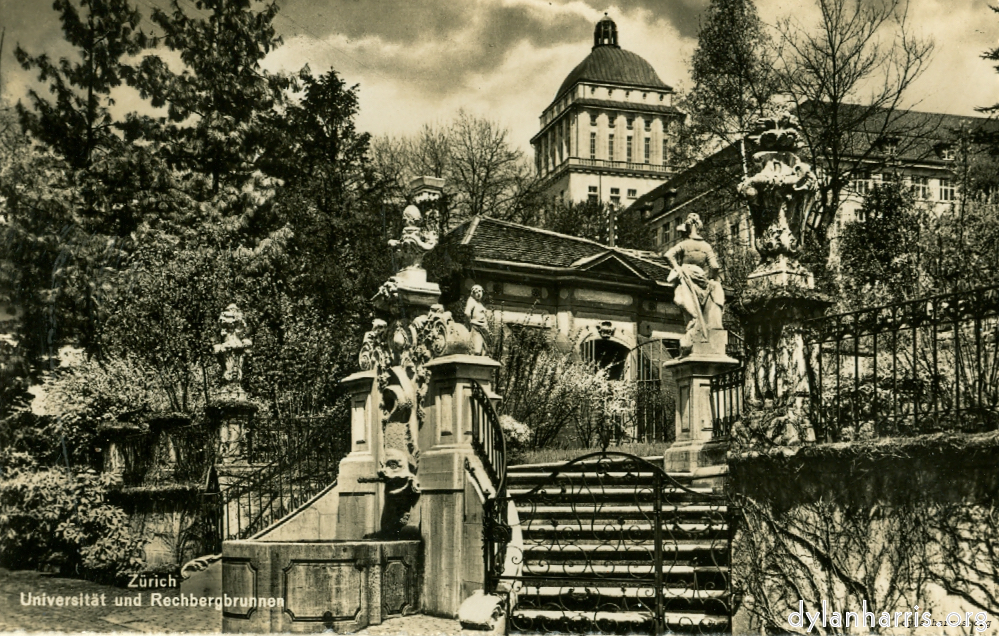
point(608, 543)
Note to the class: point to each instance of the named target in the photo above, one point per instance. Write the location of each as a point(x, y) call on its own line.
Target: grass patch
point(546, 455)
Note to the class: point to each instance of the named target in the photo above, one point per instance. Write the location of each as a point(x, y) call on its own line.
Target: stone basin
point(315, 586)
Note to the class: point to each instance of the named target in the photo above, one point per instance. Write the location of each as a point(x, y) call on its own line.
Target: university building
point(607, 135)
point(924, 150)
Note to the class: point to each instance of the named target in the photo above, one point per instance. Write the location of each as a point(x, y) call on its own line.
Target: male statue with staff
point(696, 279)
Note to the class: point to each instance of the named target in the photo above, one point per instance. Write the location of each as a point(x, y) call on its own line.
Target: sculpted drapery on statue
point(696, 281)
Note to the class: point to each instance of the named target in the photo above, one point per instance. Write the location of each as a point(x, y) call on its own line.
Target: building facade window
point(591, 194)
point(631, 123)
point(862, 184)
point(648, 149)
point(665, 153)
point(593, 145)
point(921, 187)
point(947, 190)
point(593, 119)
point(648, 125)
point(628, 150)
point(632, 193)
point(610, 147)
point(615, 196)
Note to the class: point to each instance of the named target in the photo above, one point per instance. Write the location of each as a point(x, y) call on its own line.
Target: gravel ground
point(110, 618)
point(416, 624)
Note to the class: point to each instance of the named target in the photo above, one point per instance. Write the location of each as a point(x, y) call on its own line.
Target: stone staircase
point(589, 561)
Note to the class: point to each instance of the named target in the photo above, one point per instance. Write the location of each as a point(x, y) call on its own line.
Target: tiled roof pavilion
point(520, 247)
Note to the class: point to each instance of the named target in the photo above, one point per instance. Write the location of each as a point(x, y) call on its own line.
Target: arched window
point(606, 354)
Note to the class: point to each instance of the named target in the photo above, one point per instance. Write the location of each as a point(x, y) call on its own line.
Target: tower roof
point(609, 63)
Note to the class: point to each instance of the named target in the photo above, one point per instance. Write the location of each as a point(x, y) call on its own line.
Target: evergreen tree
point(217, 104)
point(78, 123)
point(732, 71)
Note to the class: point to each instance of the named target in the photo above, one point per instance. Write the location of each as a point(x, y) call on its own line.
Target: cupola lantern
point(605, 33)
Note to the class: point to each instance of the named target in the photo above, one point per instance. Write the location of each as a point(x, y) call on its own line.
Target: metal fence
point(910, 368)
point(290, 462)
point(726, 401)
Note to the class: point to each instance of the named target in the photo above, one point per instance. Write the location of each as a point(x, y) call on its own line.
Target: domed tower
point(608, 133)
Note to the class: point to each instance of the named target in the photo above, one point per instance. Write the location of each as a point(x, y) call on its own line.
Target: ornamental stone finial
point(780, 194)
point(232, 351)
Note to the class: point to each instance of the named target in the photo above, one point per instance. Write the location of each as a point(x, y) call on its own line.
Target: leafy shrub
point(51, 518)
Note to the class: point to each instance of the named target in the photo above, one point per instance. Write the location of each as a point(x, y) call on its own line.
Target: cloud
point(420, 61)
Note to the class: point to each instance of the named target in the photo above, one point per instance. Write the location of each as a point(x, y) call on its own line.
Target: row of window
point(615, 194)
point(921, 189)
point(629, 122)
point(629, 149)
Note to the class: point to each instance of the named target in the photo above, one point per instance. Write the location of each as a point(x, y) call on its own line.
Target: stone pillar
point(778, 362)
point(695, 446)
point(451, 511)
point(360, 500)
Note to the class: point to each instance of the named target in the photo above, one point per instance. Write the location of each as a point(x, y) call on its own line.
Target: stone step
point(600, 511)
point(631, 528)
point(630, 571)
point(591, 490)
point(644, 547)
point(619, 592)
point(705, 623)
point(606, 462)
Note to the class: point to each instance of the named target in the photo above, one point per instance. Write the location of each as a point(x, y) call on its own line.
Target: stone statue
point(415, 241)
point(477, 316)
point(696, 280)
point(232, 351)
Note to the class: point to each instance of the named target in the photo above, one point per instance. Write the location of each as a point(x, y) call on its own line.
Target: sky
point(419, 61)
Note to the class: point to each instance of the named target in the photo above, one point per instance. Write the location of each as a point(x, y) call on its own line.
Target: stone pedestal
point(451, 508)
point(695, 446)
point(415, 293)
point(361, 499)
point(778, 361)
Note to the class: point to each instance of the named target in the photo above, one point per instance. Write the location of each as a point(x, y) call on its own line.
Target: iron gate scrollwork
point(609, 543)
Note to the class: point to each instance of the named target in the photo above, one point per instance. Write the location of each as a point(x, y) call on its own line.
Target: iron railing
point(655, 390)
point(610, 543)
point(910, 368)
point(726, 401)
point(487, 437)
point(304, 457)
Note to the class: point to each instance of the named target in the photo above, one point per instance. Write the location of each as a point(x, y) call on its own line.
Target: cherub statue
point(475, 311)
point(696, 279)
point(415, 240)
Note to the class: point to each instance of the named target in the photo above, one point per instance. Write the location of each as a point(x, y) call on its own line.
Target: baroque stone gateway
point(400, 531)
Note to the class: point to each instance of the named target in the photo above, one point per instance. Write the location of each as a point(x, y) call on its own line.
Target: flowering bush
point(51, 518)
